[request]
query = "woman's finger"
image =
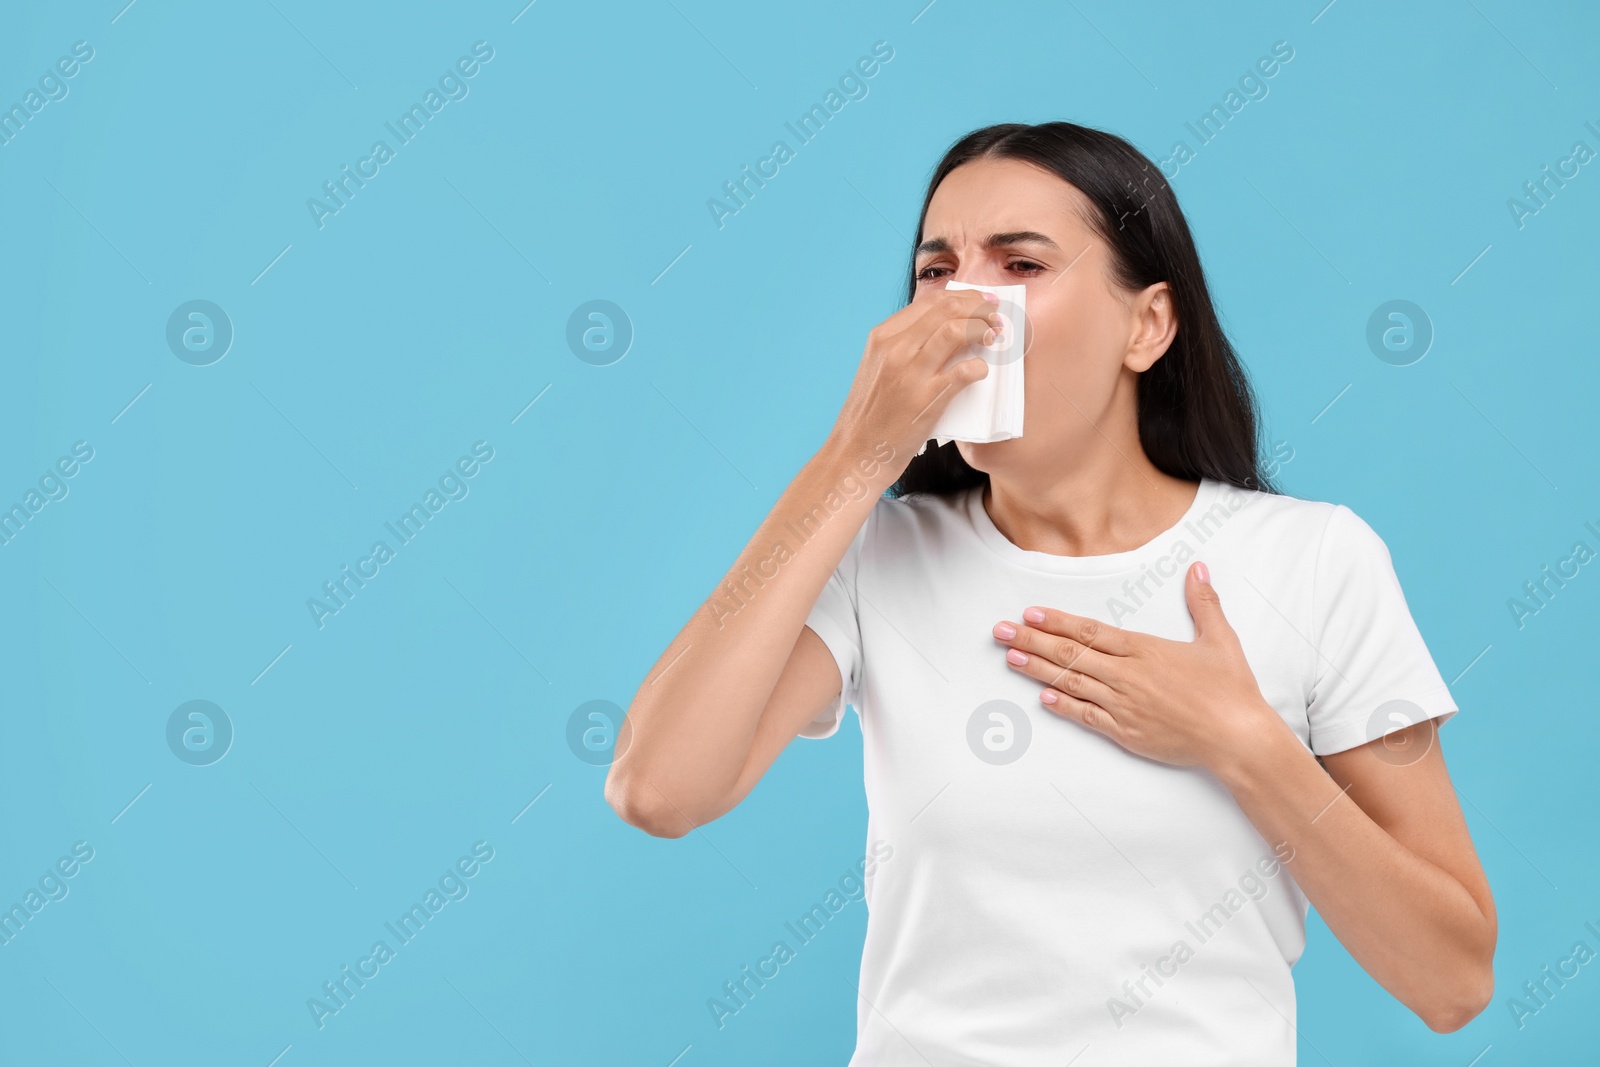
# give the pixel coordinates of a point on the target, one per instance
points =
(1063, 679)
(1083, 712)
(1112, 640)
(1063, 650)
(954, 319)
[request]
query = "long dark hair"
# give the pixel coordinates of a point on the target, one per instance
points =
(1197, 413)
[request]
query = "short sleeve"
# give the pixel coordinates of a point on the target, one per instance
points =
(836, 620)
(1372, 671)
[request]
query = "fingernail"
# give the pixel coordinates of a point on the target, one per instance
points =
(1005, 631)
(1033, 615)
(992, 298)
(1018, 657)
(1201, 573)
(1048, 696)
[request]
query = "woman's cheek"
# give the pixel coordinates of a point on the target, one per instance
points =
(1050, 320)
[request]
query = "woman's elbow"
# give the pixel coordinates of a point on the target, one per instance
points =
(1469, 1004)
(637, 807)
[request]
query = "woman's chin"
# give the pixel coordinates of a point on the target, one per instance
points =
(980, 456)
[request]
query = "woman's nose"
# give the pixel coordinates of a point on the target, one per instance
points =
(979, 274)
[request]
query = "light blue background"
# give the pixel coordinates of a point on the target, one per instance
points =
(429, 312)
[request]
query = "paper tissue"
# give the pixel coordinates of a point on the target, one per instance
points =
(989, 409)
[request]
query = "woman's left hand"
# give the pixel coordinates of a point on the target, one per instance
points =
(1186, 703)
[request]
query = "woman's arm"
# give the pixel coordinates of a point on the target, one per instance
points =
(696, 735)
(692, 724)
(1382, 851)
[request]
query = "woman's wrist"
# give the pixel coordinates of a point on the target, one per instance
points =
(1261, 743)
(877, 463)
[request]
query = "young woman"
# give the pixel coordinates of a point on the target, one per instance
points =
(1124, 707)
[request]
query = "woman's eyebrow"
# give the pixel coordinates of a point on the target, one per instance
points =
(937, 245)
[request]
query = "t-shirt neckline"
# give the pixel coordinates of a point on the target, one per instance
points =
(988, 533)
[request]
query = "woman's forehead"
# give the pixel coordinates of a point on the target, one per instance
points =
(979, 199)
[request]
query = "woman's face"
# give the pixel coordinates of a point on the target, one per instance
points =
(1008, 222)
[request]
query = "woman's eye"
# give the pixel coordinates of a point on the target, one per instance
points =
(1025, 266)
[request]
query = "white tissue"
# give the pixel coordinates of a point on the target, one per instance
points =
(989, 409)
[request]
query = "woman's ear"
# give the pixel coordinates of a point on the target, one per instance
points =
(1155, 324)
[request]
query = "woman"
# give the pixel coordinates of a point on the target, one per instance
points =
(1124, 706)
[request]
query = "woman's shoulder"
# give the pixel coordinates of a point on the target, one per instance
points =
(917, 520)
(1317, 526)
(1277, 509)
(923, 508)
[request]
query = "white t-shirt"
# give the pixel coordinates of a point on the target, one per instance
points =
(1047, 893)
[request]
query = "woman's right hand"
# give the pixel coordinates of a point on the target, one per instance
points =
(903, 385)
